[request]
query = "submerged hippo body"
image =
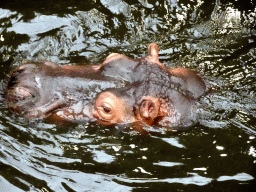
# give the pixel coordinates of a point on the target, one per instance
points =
(120, 90)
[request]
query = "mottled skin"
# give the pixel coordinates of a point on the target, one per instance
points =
(36, 90)
(155, 94)
(120, 90)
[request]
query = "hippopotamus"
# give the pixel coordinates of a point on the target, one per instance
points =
(120, 90)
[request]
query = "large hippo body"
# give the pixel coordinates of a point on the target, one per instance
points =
(120, 90)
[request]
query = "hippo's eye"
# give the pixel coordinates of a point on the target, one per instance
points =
(106, 109)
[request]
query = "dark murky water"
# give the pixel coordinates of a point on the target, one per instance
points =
(215, 38)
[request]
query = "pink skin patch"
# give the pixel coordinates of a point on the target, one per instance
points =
(23, 91)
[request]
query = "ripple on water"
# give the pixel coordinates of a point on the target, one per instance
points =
(216, 40)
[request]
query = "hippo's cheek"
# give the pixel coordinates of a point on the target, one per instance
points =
(172, 120)
(65, 114)
(96, 115)
(71, 113)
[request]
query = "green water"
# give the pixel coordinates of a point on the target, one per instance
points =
(214, 38)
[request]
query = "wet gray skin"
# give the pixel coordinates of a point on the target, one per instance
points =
(119, 67)
(177, 91)
(185, 81)
(35, 90)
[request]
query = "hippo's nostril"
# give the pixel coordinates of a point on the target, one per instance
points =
(149, 108)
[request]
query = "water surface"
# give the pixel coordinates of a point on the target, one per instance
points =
(214, 38)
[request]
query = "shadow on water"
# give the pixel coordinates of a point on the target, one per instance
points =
(214, 38)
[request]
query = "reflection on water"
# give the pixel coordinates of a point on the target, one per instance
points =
(214, 38)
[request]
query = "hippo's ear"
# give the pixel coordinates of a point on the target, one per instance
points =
(153, 51)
